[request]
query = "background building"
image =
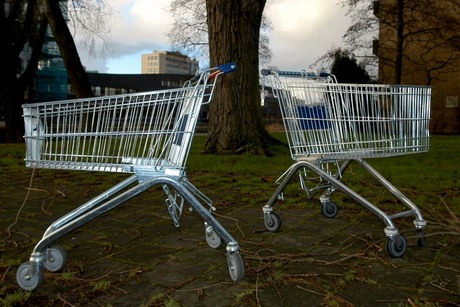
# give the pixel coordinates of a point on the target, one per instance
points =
(51, 77)
(419, 44)
(167, 62)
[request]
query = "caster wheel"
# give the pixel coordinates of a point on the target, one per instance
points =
(235, 266)
(396, 246)
(272, 221)
(25, 280)
(329, 209)
(56, 258)
(213, 239)
(420, 236)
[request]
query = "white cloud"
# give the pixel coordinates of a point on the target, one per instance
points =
(303, 31)
(138, 26)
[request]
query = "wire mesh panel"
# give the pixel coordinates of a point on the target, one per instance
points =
(346, 121)
(114, 132)
(378, 120)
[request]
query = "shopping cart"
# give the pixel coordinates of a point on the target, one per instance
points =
(329, 125)
(145, 134)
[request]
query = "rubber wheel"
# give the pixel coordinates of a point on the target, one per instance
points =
(235, 266)
(56, 258)
(26, 281)
(213, 239)
(272, 222)
(329, 209)
(396, 246)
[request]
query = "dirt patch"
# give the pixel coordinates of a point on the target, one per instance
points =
(134, 256)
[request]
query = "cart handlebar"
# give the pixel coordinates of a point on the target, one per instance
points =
(300, 74)
(222, 69)
(226, 68)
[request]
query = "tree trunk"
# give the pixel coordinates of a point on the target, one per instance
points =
(11, 101)
(399, 42)
(235, 121)
(75, 70)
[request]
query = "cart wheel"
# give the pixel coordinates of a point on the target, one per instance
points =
(25, 280)
(396, 246)
(329, 209)
(420, 235)
(272, 221)
(235, 266)
(56, 258)
(213, 239)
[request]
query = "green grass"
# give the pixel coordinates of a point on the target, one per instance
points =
(429, 177)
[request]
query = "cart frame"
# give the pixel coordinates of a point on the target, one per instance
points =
(145, 134)
(330, 125)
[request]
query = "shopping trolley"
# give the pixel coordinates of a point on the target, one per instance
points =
(146, 134)
(330, 125)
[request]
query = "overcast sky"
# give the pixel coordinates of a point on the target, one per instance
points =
(303, 30)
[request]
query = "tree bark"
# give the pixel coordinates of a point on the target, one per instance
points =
(75, 70)
(399, 42)
(235, 121)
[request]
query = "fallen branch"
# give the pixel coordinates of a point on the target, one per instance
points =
(63, 300)
(4, 275)
(344, 259)
(205, 287)
(450, 211)
(444, 289)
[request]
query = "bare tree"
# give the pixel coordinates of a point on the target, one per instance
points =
(189, 33)
(23, 26)
(75, 70)
(424, 32)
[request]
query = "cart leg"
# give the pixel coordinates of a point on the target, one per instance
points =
(419, 222)
(272, 220)
(345, 189)
(214, 231)
(396, 243)
(30, 274)
(198, 194)
(83, 209)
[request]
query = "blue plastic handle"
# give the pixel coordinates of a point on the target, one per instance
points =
(228, 67)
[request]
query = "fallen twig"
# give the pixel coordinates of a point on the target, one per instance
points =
(344, 259)
(4, 275)
(8, 229)
(205, 287)
(444, 289)
(45, 211)
(63, 300)
(450, 211)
